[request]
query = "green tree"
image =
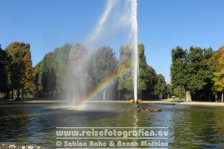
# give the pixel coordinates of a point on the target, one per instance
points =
(150, 92)
(217, 65)
(4, 66)
(51, 72)
(169, 91)
(178, 70)
(179, 92)
(160, 88)
(28, 78)
(46, 75)
(125, 82)
(21, 66)
(146, 78)
(219, 82)
(190, 69)
(102, 64)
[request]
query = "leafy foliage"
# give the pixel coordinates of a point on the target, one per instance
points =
(4, 67)
(21, 72)
(179, 92)
(59, 70)
(125, 81)
(161, 86)
(217, 65)
(190, 69)
(51, 71)
(147, 79)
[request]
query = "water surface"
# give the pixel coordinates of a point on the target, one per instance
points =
(190, 126)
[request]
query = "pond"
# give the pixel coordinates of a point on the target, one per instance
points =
(189, 126)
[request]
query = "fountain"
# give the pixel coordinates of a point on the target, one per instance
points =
(134, 32)
(123, 14)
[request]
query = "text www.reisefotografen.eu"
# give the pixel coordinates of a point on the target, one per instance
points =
(112, 137)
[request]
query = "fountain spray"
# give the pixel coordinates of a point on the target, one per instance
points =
(118, 16)
(134, 32)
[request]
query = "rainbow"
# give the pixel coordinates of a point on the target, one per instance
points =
(105, 82)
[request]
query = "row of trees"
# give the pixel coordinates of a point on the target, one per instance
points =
(196, 73)
(66, 63)
(199, 72)
(59, 70)
(16, 72)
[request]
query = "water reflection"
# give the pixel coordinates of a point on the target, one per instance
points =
(191, 126)
(12, 127)
(135, 117)
(196, 127)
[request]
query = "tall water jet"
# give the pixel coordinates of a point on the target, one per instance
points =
(118, 22)
(134, 35)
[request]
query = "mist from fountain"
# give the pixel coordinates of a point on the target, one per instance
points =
(118, 16)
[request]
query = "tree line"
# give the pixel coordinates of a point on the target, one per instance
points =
(199, 73)
(196, 74)
(48, 78)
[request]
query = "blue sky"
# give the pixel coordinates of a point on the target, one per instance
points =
(163, 24)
